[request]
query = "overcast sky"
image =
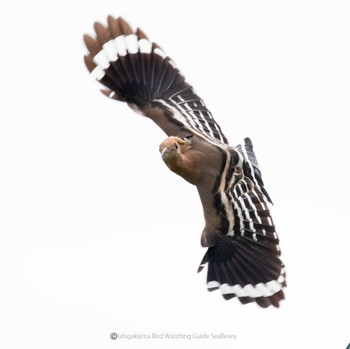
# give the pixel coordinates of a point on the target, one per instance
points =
(98, 236)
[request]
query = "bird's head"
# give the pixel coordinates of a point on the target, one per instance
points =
(186, 155)
(173, 149)
(181, 158)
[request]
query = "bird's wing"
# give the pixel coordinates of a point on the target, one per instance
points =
(245, 261)
(251, 167)
(137, 71)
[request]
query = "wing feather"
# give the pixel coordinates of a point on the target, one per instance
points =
(138, 72)
(247, 254)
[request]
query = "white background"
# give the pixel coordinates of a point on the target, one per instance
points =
(97, 236)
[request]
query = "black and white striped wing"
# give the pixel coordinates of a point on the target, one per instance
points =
(245, 262)
(137, 71)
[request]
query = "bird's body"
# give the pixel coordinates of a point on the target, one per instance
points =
(243, 251)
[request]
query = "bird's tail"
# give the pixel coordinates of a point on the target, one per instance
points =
(242, 268)
(133, 68)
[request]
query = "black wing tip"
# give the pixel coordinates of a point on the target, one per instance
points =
(135, 68)
(252, 159)
(248, 141)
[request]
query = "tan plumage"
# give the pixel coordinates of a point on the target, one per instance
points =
(190, 158)
(184, 157)
(243, 252)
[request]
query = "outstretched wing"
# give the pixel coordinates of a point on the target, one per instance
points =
(137, 71)
(245, 262)
(251, 167)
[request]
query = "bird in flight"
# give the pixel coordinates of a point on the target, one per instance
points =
(243, 253)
